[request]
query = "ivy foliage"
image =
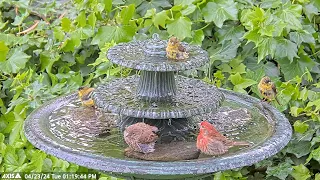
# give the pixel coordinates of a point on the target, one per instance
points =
(49, 49)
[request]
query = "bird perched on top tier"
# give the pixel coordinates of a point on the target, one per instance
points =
(211, 142)
(141, 137)
(267, 89)
(175, 50)
(85, 94)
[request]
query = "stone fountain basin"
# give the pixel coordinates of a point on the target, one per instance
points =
(85, 150)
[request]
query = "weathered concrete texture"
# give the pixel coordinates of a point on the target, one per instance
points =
(174, 151)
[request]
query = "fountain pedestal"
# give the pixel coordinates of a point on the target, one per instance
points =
(156, 86)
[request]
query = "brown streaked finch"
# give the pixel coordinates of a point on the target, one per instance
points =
(141, 137)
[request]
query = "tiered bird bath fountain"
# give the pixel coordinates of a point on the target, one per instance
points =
(92, 137)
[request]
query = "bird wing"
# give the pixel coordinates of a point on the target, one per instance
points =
(87, 94)
(216, 147)
(146, 148)
(181, 48)
(274, 88)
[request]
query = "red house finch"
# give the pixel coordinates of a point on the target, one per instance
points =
(85, 96)
(267, 89)
(175, 50)
(211, 142)
(141, 137)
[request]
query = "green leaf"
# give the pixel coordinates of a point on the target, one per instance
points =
(190, 9)
(300, 172)
(220, 11)
(240, 82)
(310, 10)
(296, 67)
(253, 36)
(280, 171)
(116, 33)
(285, 48)
(300, 127)
(299, 148)
(92, 20)
(180, 27)
(127, 13)
(317, 176)
(315, 103)
(177, 8)
(266, 4)
(58, 33)
(315, 154)
(316, 3)
(3, 51)
(9, 39)
(301, 36)
(267, 46)
(81, 19)
(11, 159)
(37, 161)
(159, 5)
(107, 5)
(15, 62)
(198, 37)
(183, 2)
(47, 60)
(225, 52)
(295, 111)
(160, 19)
(19, 19)
(252, 18)
(66, 24)
(230, 32)
(17, 129)
(291, 14)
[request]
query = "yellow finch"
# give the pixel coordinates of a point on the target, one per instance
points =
(85, 96)
(267, 89)
(175, 50)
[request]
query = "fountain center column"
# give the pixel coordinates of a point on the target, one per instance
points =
(156, 86)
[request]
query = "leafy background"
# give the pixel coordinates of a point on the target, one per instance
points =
(47, 50)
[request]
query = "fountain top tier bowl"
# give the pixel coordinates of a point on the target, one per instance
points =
(150, 55)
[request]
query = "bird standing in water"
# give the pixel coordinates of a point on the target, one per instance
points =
(267, 89)
(141, 137)
(85, 94)
(211, 142)
(175, 50)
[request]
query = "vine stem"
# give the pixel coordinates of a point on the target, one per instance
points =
(36, 22)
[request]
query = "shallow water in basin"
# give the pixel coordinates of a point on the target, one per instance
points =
(86, 129)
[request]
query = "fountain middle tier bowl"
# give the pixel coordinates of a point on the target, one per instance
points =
(193, 97)
(90, 138)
